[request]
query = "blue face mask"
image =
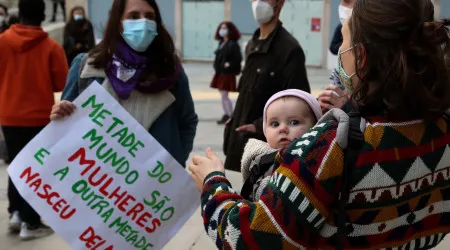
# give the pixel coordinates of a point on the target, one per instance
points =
(346, 79)
(78, 17)
(139, 34)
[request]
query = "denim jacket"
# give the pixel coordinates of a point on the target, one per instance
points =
(174, 129)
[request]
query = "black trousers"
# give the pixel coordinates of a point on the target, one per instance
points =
(3, 151)
(16, 139)
(55, 9)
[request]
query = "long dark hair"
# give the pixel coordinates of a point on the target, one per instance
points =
(233, 32)
(71, 20)
(161, 52)
(402, 59)
(74, 27)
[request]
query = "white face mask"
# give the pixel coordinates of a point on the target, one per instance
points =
(262, 11)
(2, 18)
(223, 32)
(344, 13)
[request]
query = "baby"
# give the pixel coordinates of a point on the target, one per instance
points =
(287, 115)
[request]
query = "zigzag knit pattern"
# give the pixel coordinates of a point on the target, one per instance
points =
(399, 197)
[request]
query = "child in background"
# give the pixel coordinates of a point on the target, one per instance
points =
(287, 115)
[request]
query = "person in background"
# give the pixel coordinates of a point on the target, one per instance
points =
(227, 65)
(32, 67)
(5, 22)
(13, 19)
(345, 10)
(398, 188)
(274, 62)
(3, 17)
(78, 34)
(3, 150)
(62, 3)
(136, 62)
(3, 27)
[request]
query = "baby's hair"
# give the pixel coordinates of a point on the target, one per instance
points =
(311, 112)
(306, 97)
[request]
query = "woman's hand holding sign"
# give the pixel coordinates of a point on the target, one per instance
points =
(62, 109)
(201, 167)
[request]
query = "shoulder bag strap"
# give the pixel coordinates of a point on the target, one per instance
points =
(355, 141)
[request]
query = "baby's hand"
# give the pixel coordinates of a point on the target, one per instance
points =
(332, 97)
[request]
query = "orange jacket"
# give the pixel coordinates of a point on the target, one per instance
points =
(32, 68)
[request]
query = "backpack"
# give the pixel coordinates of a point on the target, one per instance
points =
(257, 172)
(355, 141)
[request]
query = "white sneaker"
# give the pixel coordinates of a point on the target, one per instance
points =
(27, 233)
(15, 222)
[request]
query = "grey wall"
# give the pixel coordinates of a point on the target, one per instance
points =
(334, 18)
(99, 12)
(167, 8)
(334, 15)
(445, 9)
(55, 31)
(242, 16)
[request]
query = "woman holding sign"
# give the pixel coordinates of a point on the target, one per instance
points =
(137, 64)
(378, 178)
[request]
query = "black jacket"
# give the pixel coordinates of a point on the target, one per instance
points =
(81, 33)
(228, 52)
(337, 40)
(274, 64)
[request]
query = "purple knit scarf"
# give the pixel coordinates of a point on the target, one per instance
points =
(125, 71)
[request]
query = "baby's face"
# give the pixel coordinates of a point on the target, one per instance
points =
(288, 118)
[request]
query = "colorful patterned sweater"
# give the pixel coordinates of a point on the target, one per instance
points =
(399, 196)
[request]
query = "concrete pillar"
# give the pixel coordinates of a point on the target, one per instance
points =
(72, 3)
(333, 21)
(227, 10)
(327, 59)
(179, 25)
(437, 9)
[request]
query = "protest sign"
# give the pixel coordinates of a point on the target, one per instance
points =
(101, 181)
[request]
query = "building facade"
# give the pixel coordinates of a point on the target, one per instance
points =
(304, 19)
(193, 23)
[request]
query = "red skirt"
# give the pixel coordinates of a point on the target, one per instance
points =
(225, 82)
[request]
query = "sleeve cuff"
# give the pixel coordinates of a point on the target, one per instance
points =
(259, 126)
(213, 174)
